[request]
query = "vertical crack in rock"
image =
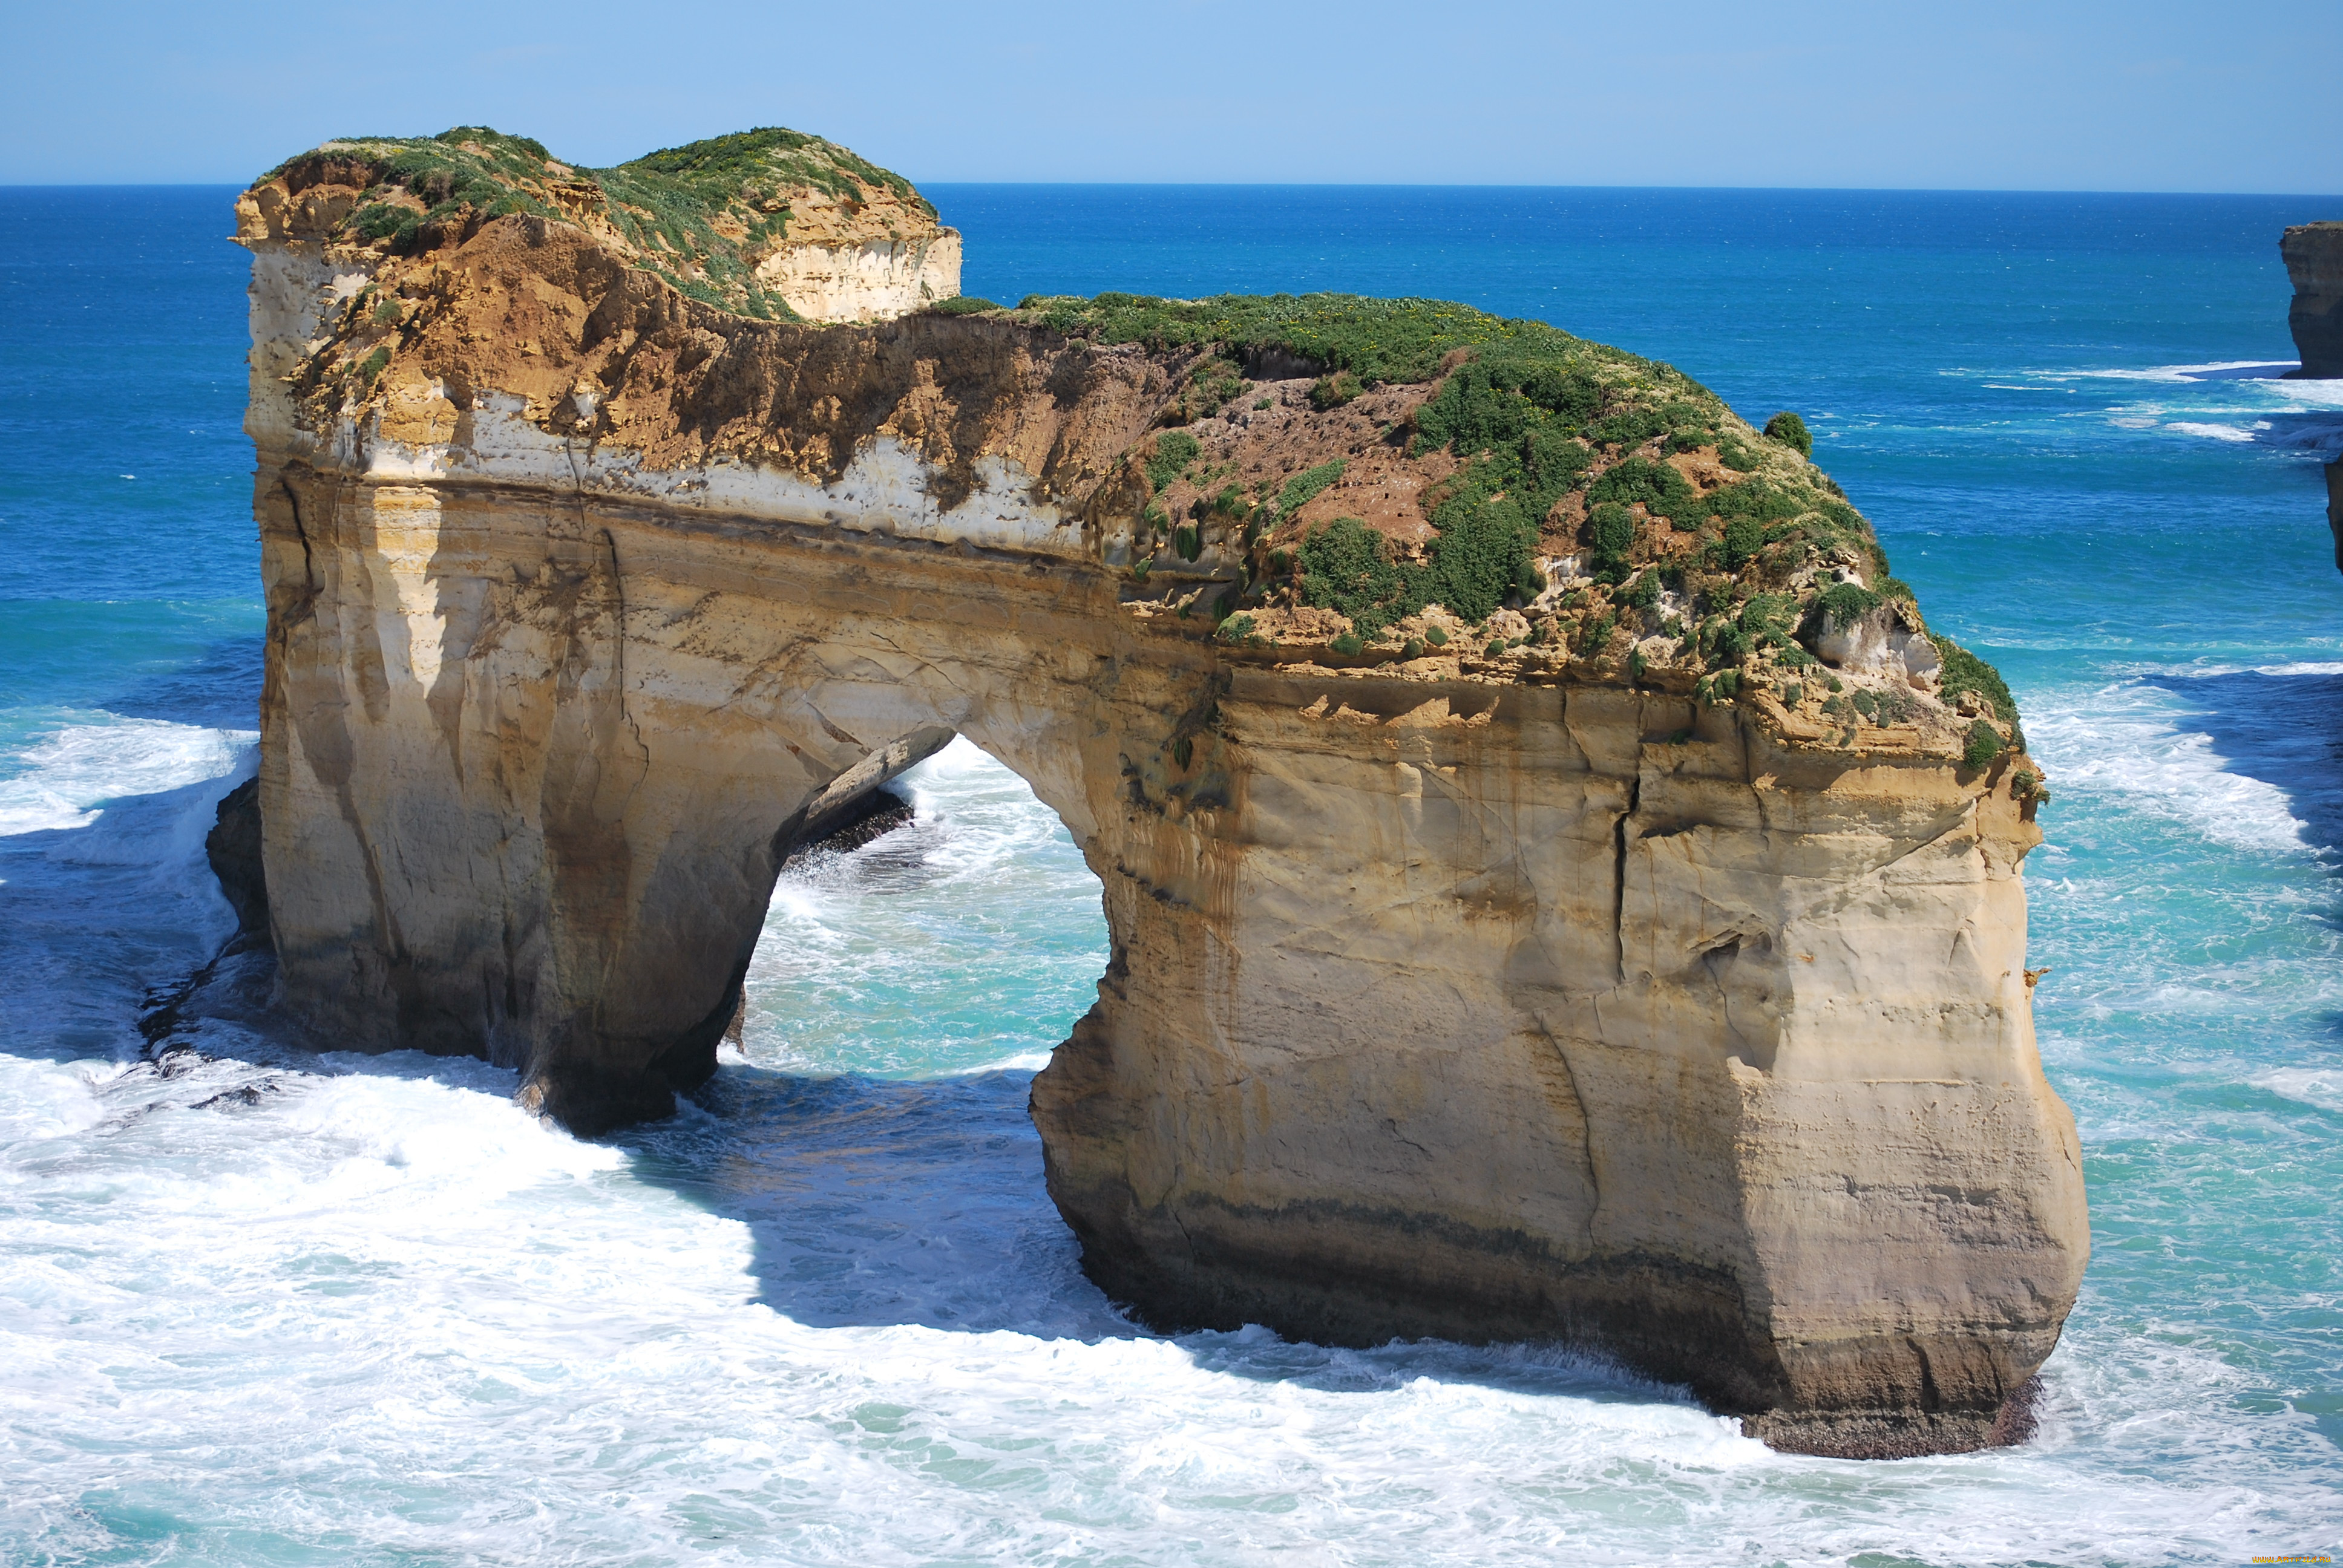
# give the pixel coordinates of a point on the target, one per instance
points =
(1623, 832)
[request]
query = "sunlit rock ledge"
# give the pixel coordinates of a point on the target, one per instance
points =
(1557, 886)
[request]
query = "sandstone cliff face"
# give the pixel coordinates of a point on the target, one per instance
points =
(1530, 982)
(2314, 263)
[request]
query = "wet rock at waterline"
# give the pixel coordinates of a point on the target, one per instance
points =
(1525, 921)
(232, 848)
(871, 817)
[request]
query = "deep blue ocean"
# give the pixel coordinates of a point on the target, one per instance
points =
(298, 1307)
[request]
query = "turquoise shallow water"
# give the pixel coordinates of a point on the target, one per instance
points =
(302, 1308)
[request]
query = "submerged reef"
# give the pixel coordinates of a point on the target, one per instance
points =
(1558, 885)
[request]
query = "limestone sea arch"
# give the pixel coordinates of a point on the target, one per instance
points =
(1557, 887)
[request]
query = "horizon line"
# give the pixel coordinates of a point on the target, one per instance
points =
(1365, 184)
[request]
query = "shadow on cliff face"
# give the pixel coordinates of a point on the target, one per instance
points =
(2284, 729)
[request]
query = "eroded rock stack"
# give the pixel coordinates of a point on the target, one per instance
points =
(1557, 885)
(2314, 264)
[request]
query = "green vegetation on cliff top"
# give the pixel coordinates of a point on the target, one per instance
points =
(1531, 413)
(697, 215)
(1535, 415)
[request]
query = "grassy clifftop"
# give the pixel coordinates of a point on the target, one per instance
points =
(1523, 444)
(1382, 479)
(701, 216)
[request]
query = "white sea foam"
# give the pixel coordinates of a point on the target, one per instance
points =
(65, 777)
(2216, 432)
(319, 1309)
(383, 1306)
(2218, 370)
(1023, 1061)
(2319, 1086)
(2132, 740)
(2236, 402)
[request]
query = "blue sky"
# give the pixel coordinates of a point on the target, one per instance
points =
(2144, 97)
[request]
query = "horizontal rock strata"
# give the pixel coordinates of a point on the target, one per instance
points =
(1517, 931)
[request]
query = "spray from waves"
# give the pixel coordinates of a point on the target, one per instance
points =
(2320, 433)
(63, 779)
(2182, 374)
(2132, 740)
(2236, 402)
(2315, 1086)
(2219, 432)
(376, 1306)
(103, 870)
(991, 818)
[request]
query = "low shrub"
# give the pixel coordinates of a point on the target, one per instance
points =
(1345, 567)
(1791, 431)
(1333, 391)
(1628, 427)
(1963, 672)
(1188, 539)
(1210, 386)
(961, 305)
(1174, 450)
(693, 216)
(1302, 488)
(1436, 636)
(1743, 538)
(1663, 492)
(1888, 707)
(1350, 644)
(1610, 535)
(1238, 629)
(1485, 549)
(1982, 745)
(1843, 604)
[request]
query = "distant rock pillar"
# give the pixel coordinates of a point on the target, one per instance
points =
(2335, 510)
(2314, 261)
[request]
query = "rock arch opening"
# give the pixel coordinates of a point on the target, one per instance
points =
(967, 939)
